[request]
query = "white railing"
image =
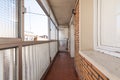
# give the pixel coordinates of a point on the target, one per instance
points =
(7, 64)
(53, 49)
(25, 60)
(36, 59)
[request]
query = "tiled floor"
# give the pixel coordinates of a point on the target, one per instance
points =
(62, 69)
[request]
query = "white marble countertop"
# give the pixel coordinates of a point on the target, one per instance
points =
(107, 64)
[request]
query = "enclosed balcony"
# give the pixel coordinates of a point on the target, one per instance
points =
(59, 39)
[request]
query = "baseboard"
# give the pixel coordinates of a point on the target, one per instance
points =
(48, 69)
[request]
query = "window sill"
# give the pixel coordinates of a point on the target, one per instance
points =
(107, 64)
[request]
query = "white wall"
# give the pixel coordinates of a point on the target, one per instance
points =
(72, 43)
(63, 38)
(63, 33)
(86, 24)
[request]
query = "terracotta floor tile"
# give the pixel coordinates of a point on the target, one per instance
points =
(62, 68)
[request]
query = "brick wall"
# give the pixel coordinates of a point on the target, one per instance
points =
(77, 29)
(84, 69)
(76, 21)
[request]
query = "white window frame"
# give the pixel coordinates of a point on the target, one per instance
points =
(111, 50)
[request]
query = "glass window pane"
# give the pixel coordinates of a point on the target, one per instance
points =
(8, 18)
(53, 31)
(36, 21)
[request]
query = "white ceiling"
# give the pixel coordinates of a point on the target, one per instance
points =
(62, 10)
